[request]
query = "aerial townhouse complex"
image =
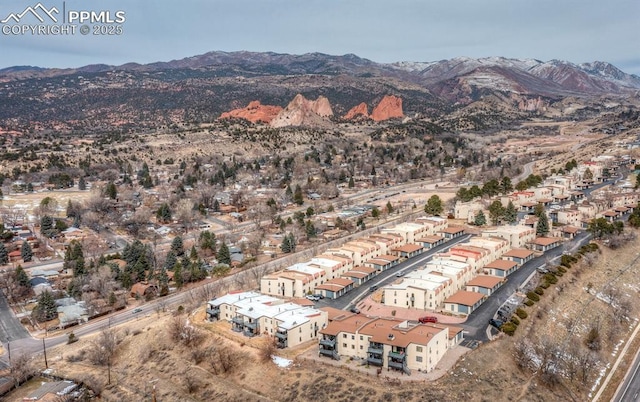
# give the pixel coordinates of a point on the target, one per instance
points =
(253, 314)
(340, 269)
(388, 343)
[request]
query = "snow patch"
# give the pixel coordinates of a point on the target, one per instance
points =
(281, 361)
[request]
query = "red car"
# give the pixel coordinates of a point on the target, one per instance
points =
(424, 320)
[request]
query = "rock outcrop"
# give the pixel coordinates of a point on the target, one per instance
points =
(389, 107)
(255, 112)
(357, 112)
(532, 105)
(304, 112)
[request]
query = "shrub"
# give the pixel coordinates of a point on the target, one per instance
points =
(539, 291)
(562, 269)
(550, 278)
(508, 328)
(545, 285)
(533, 296)
(515, 320)
(72, 338)
(521, 313)
(528, 303)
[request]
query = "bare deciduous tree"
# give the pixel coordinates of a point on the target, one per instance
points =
(22, 368)
(104, 348)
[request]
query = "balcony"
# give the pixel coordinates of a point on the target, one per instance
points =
(330, 343)
(281, 343)
(282, 335)
(251, 325)
(238, 321)
(375, 350)
(396, 365)
(215, 311)
(397, 356)
(331, 353)
(374, 361)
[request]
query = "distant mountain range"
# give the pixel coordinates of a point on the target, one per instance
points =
(444, 77)
(201, 88)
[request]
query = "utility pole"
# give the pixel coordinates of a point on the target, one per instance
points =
(44, 347)
(9, 350)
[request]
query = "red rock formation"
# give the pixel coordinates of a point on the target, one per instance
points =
(359, 111)
(303, 112)
(255, 112)
(389, 107)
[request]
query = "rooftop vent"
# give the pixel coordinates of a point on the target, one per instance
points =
(390, 337)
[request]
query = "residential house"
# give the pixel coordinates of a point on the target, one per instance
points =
(464, 302)
(484, 284)
(518, 255)
(500, 268)
(544, 244)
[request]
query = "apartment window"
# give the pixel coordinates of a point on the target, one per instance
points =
(361, 347)
(353, 337)
(344, 336)
(419, 349)
(344, 345)
(419, 359)
(353, 346)
(361, 337)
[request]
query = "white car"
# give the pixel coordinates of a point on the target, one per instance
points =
(313, 298)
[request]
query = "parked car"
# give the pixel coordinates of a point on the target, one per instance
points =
(428, 318)
(313, 298)
(319, 295)
(354, 310)
(495, 323)
(399, 274)
(136, 310)
(373, 288)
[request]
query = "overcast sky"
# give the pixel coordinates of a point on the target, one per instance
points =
(383, 31)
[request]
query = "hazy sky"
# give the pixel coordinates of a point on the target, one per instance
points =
(383, 31)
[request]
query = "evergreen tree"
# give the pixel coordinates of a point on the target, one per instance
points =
(111, 191)
(164, 213)
(141, 267)
(170, 261)
(177, 247)
(510, 213)
(310, 229)
(434, 205)
(4, 254)
(46, 226)
(224, 256)
(25, 252)
(285, 246)
(480, 219)
(389, 207)
(351, 182)
(288, 193)
(177, 275)
(292, 242)
(193, 255)
(21, 277)
(207, 241)
(82, 185)
(375, 213)
(542, 228)
(505, 185)
(496, 212)
(79, 268)
(297, 195)
(373, 171)
(216, 205)
(46, 308)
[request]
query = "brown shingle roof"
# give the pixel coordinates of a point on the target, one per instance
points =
(465, 298)
(545, 241)
(518, 253)
(408, 248)
(452, 230)
(430, 239)
(504, 265)
(485, 281)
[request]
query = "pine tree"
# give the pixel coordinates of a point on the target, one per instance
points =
(285, 246)
(480, 219)
(46, 226)
(111, 191)
(224, 256)
(207, 241)
(216, 205)
(433, 205)
(510, 213)
(389, 207)
(46, 308)
(21, 277)
(164, 213)
(82, 185)
(543, 225)
(351, 182)
(4, 255)
(177, 275)
(193, 255)
(25, 252)
(177, 246)
(496, 212)
(297, 195)
(310, 229)
(170, 261)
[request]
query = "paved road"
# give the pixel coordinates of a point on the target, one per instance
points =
(10, 327)
(353, 297)
(478, 320)
(630, 387)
